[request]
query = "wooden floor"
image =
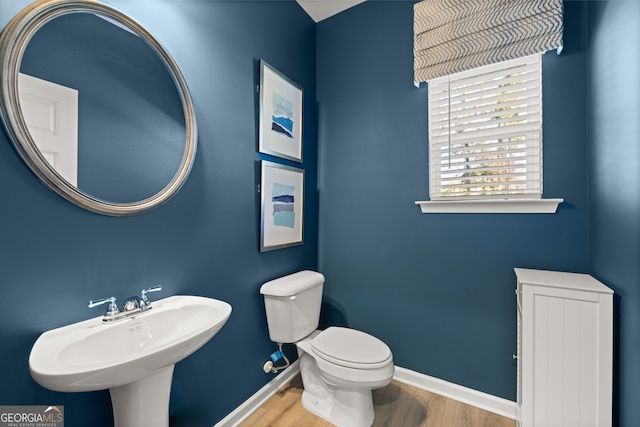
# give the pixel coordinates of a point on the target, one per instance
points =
(396, 405)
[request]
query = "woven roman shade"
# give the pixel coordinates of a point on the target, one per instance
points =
(451, 36)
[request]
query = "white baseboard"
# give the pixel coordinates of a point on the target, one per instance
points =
(249, 406)
(481, 400)
(487, 402)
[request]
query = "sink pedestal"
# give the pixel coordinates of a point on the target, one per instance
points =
(143, 403)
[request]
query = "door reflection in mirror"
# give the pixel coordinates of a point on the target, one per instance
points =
(51, 114)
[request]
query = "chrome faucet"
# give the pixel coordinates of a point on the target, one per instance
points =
(134, 303)
(131, 306)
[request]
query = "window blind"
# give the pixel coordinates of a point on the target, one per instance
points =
(452, 36)
(485, 132)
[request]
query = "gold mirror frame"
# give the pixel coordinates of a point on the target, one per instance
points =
(13, 43)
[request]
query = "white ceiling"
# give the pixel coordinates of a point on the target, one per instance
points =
(322, 9)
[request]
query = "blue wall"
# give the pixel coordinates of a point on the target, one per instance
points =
(614, 183)
(56, 256)
(438, 288)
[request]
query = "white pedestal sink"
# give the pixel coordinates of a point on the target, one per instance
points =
(132, 357)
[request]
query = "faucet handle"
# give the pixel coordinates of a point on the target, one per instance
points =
(112, 309)
(144, 292)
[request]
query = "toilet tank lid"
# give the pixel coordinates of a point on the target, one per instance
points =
(292, 284)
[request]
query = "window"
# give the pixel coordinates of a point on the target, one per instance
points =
(485, 132)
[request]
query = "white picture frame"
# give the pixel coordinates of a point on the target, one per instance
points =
(280, 132)
(282, 206)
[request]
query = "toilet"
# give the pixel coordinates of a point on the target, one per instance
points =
(339, 366)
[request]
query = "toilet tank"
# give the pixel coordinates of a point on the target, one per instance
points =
(292, 304)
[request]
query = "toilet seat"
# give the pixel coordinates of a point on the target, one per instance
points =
(351, 348)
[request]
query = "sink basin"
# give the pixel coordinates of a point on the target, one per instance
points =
(129, 354)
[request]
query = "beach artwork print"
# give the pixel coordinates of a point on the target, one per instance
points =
(283, 201)
(282, 116)
(282, 204)
(280, 132)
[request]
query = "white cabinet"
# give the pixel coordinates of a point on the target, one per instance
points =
(565, 346)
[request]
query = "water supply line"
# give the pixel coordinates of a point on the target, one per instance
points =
(269, 365)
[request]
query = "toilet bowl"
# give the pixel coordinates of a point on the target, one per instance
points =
(338, 374)
(339, 366)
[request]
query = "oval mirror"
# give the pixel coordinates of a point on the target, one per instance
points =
(96, 106)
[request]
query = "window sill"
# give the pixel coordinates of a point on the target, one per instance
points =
(491, 206)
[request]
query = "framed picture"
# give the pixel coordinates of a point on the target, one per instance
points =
(282, 206)
(280, 131)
